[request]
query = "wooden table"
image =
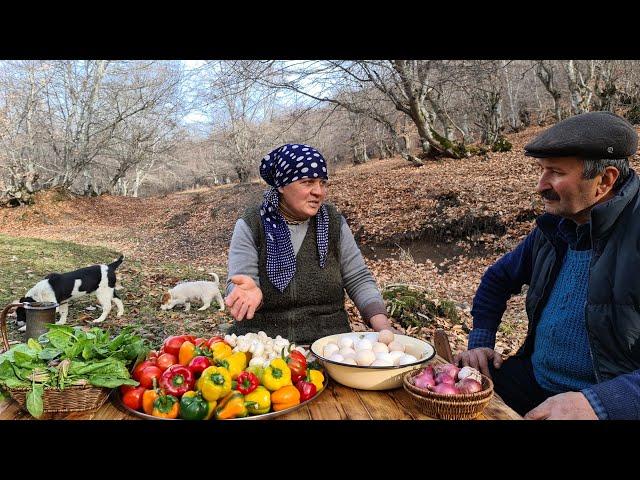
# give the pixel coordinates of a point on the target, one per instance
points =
(336, 402)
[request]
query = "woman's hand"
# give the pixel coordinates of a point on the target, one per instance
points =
(245, 298)
(381, 322)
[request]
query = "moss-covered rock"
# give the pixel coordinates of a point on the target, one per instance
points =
(501, 145)
(412, 306)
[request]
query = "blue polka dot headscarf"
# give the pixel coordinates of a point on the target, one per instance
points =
(285, 165)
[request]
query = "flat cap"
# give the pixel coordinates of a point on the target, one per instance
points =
(593, 135)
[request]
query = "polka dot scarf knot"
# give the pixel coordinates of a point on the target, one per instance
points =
(284, 165)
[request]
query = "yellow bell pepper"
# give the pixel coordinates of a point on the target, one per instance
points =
(235, 363)
(317, 378)
(285, 397)
(215, 383)
(220, 351)
(258, 401)
(276, 375)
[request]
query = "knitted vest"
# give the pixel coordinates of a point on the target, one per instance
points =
(312, 305)
(561, 357)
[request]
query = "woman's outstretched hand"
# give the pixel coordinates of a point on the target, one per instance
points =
(245, 298)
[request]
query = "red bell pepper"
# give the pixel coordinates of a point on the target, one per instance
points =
(176, 380)
(247, 382)
(297, 362)
(306, 388)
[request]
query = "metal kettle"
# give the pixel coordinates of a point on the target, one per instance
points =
(38, 315)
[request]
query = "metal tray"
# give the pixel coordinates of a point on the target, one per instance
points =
(264, 416)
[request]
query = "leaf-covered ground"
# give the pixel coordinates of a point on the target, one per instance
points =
(437, 227)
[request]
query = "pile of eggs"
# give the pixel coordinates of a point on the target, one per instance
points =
(376, 349)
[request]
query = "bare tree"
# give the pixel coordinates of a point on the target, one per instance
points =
(580, 76)
(547, 74)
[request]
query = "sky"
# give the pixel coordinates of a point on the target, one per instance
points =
(194, 117)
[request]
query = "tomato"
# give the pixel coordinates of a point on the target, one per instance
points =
(173, 343)
(152, 354)
(166, 360)
(125, 388)
(148, 374)
(199, 341)
(141, 366)
(133, 398)
(215, 339)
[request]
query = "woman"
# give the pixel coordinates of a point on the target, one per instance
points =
(292, 258)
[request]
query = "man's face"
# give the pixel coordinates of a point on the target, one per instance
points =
(564, 191)
(304, 197)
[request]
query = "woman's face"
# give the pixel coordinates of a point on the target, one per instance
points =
(304, 197)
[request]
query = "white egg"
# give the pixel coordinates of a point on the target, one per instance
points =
(395, 345)
(379, 347)
(363, 345)
(372, 337)
(345, 342)
(330, 349)
(350, 361)
(405, 359)
(347, 352)
(381, 363)
(336, 357)
(385, 357)
(395, 356)
(385, 336)
(365, 357)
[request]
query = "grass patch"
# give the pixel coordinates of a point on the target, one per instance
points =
(25, 261)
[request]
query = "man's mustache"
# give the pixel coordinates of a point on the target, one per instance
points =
(549, 194)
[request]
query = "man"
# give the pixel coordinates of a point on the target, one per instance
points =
(581, 356)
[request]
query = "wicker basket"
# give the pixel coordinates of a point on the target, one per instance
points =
(449, 407)
(75, 398)
(69, 399)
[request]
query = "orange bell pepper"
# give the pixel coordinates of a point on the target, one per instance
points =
(149, 397)
(186, 353)
(285, 397)
(166, 406)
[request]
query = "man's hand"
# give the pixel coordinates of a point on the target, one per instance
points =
(245, 297)
(565, 406)
(478, 358)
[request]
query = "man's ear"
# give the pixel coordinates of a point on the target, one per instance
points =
(608, 180)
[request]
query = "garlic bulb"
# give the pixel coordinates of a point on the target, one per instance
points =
(470, 372)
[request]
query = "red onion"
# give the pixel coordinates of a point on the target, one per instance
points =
(445, 388)
(469, 385)
(425, 378)
(444, 378)
(449, 369)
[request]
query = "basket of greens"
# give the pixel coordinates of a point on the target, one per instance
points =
(69, 369)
